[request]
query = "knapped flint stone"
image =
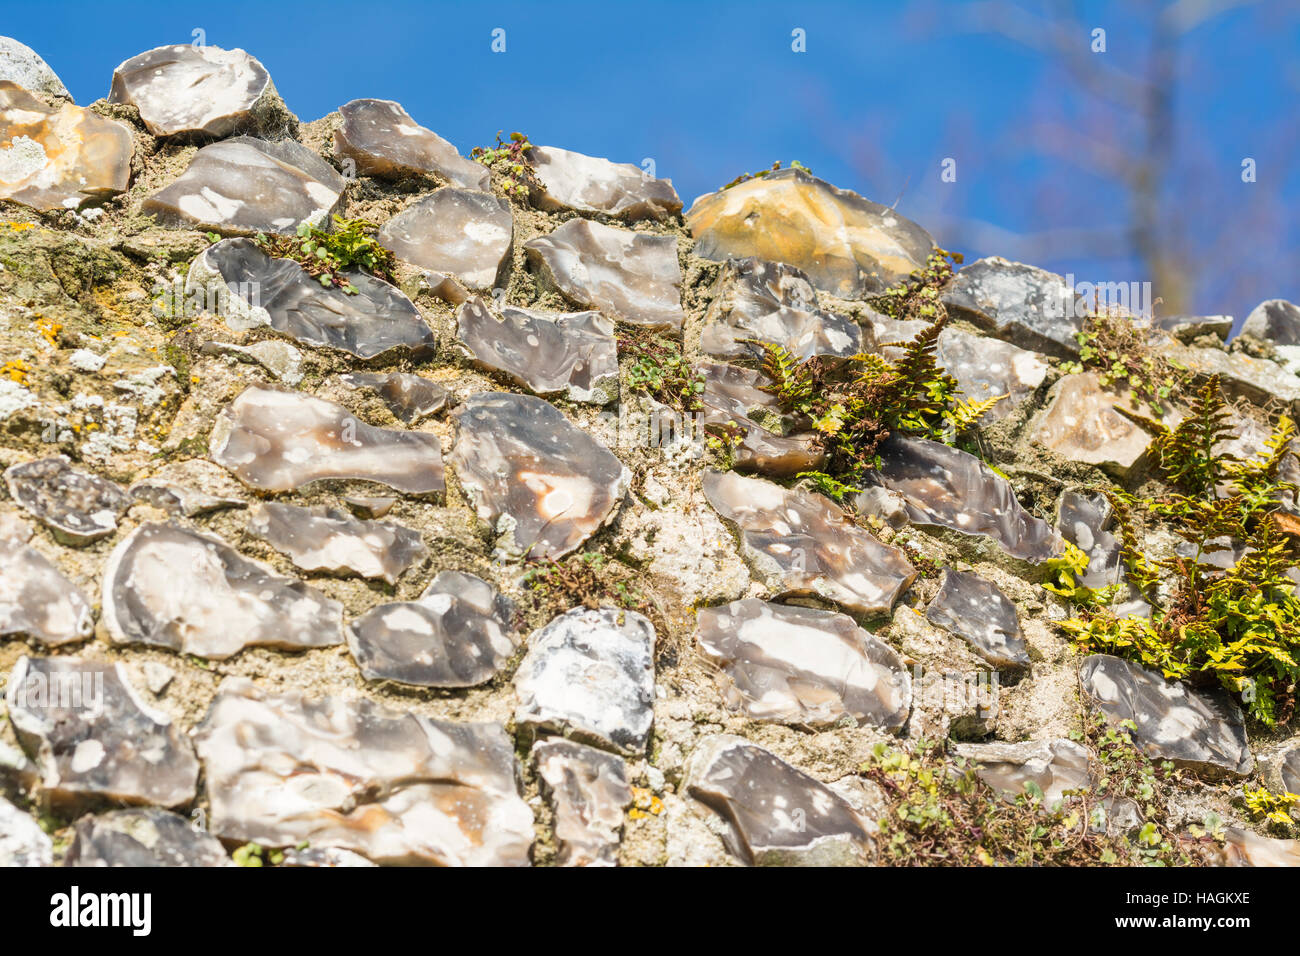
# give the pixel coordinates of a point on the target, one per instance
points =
(324, 857)
(243, 186)
(1185, 328)
(37, 601)
(589, 184)
(395, 787)
(980, 614)
(281, 359)
(1243, 847)
(757, 301)
(78, 507)
(1082, 424)
(409, 397)
(544, 484)
(1025, 305)
(1289, 770)
(800, 544)
(202, 90)
(92, 736)
(279, 441)
(803, 666)
(1084, 518)
(1276, 321)
(731, 395)
(847, 245)
(384, 141)
(328, 539)
(630, 276)
(143, 837)
(589, 674)
(573, 354)
(252, 290)
(588, 791)
(463, 233)
(180, 500)
(369, 506)
(1054, 766)
(1201, 730)
(21, 65)
(775, 815)
(169, 586)
(22, 841)
(458, 633)
(935, 484)
(59, 158)
(1242, 376)
(983, 367)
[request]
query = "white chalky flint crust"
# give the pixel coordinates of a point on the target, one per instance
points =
(336, 772)
(332, 540)
(759, 301)
(458, 633)
(590, 675)
(799, 543)
(277, 440)
(461, 232)
(1204, 731)
(21, 64)
(112, 745)
(630, 276)
(1054, 766)
(803, 666)
(544, 484)
(573, 354)
(589, 184)
(976, 611)
(383, 140)
(194, 89)
(22, 841)
(172, 587)
(37, 600)
(776, 815)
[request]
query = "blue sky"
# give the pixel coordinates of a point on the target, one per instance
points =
(883, 94)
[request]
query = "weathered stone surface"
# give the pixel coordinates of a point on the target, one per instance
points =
(799, 544)
(21, 65)
(848, 246)
(984, 367)
(573, 354)
(91, 736)
(243, 186)
(324, 857)
(630, 276)
(1025, 305)
(331, 540)
(395, 787)
(1202, 730)
(180, 500)
(460, 232)
(1276, 321)
(588, 791)
(458, 633)
(1244, 848)
(36, 600)
(278, 441)
(143, 837)
(589, 184)
(1241, 375)
(369, 506)
(77, 506)
(281, 359)
(1289, 770)
(1185, 328)
(59, 158)
(409, 397)
(776, 815)
(1084, 518)
(541, 482)
(589, 674)
(193, 89)
(803, 666)
(758, 301)
(168, 586)
(732, 399)
(1053, 766)
(1082, 424)
(22, 841)
(252, 289)
(935, 484)
(980, 614)
(383, 140)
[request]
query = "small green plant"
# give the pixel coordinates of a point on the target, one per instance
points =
(509, 158)
(255, 855)
(746, 177)
(1124, 358)
(658, 368)
(326, 255)
(919, 296)
(588, 578)
(1264, 804)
